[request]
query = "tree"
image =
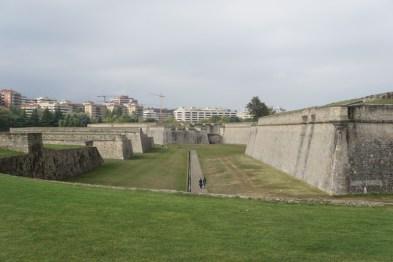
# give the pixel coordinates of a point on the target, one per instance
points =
(46, 118)
(75, 120)
(57, 116)
(34, 118)
(257, 108)
(4, 119)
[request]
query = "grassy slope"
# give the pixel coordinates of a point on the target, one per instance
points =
(43, 221)
(229, 171)
(162, 168)
(6, 153)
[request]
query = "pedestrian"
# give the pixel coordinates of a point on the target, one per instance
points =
(204, 182)
(200, 183)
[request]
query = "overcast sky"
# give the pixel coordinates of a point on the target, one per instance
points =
(201, 52)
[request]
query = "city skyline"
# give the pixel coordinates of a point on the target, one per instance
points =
(219, 52)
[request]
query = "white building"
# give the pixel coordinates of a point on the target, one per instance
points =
(194, 114)
(29, 108)
(150, 113)
(65, 107)
(244, 115)
(278, 109)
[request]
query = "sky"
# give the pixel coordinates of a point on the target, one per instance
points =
(292, 54)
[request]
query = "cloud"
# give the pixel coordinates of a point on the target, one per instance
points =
(217, 53)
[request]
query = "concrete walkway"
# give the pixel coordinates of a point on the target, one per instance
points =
(196, 173)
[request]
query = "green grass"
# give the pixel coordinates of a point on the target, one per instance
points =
(7, 153)
(44, 221)
(226, 167)
(60, 147)
(230, 171)
(161, 168)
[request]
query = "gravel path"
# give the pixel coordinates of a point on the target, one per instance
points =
(196, 173)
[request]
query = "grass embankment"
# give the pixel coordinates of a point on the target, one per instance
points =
(161, 168)
(7, 153)
(45, 221)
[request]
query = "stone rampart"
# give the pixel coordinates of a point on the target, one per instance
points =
(21, 142)
(337, 149)
(52, 164)
(155, 134)
(119, 148)
(186, 137)
(140, 142)
(236, 133)
(160, 135)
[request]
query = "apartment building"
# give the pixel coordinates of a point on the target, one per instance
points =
(10, 98)
(244, 115)
(94, 111)
(133, 108)
(195, 114)
(157, 114)
(121, 100)
(29, 107)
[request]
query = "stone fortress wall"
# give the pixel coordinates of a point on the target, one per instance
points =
(46, 163)
(339, 149)
(119, 143)
(236, 133)
(21, 142)
(153, 131)
(161, 135)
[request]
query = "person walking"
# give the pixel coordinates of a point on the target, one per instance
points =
(200, 183)
(204, 182)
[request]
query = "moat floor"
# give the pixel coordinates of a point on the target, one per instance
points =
(226, 168)
(46, 221)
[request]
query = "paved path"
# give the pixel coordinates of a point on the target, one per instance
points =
(196, 173)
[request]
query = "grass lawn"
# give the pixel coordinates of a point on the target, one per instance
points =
(44, 221)
(162, 168)
(6, 152)
(226, 168)
(230, 171)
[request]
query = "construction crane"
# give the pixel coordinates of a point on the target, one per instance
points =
(104, 97)
(161, 96)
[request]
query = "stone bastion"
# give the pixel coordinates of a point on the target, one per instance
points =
(37, 162)
(119, 143)
(339, 149)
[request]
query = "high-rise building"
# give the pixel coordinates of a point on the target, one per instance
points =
(94, 111)
(134, 108)
(10, 98)
(65, 107)
(194, 114)
(157, 114)
(29, 108)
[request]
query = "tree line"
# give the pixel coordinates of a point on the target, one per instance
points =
(45, 118)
